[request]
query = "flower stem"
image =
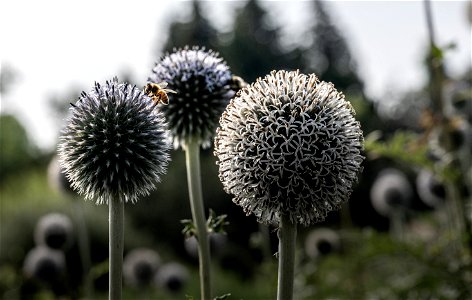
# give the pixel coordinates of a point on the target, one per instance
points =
(116, 211)
(84, 247)
(287, 239)
(192, 159)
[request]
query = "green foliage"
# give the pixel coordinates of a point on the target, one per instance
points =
(402, 146)
(216, 223)
(16, 150)
(375, 266)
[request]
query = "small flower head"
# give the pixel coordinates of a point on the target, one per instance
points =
(172, 276)
(140, 266)
(430, 190)
(115, 143)
(202, 82)
(390, 191)
(322, 241)
(54, 230)
(44, 264)
(58, 180)
(289, 144)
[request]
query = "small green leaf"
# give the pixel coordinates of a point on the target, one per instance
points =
(216, 223)
(222, 297)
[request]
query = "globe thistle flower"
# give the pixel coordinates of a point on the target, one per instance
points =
(322, 241)
(44, 264)
(54, 230)
(203, 85)
(140, 266)
(430, 190)
(390, 191)
(289, 144)
(114, 144)
(172, 276)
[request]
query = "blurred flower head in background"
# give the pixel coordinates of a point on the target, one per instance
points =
(140, 266)
(289, 144)
(54, 230)
(322, 241)
(391, 191)
(115, 144)
(172, 276)
(44, 264)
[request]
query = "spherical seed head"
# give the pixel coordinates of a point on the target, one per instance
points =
(430, 190)
(172, 276)
(115, 144)
(390, 191)
(54, 230)
(140, 266)
(44, 264)
(202, 82)
(322, 241)
(289, 144)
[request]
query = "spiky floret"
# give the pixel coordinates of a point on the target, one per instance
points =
(202, 82)
(114, 144)
(289, 144)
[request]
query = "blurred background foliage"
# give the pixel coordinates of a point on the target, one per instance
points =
(429, 259)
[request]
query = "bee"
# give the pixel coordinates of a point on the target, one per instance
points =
(158, 92)
(236, 83)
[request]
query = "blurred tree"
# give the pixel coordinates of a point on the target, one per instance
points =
(254, 48)
(196, 32)
(329, 55)
(16, 150)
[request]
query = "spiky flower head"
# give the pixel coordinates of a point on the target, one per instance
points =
(54, 230)
(114, 144)
(203, 85)
(289, 144)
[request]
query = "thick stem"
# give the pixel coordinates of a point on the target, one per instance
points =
(192, 156)
(116, 238)
(287, 239)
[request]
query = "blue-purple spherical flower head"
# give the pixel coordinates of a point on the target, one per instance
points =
(115, 144)
(202, 82)
(289, 144)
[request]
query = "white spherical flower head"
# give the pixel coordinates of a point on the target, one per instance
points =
(390, 192)
(202, 82)
(289, 144)
(115, 144)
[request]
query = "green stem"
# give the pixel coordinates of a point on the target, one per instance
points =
(84, 247)
(116, 238)
(287, 239)
(192, 159)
